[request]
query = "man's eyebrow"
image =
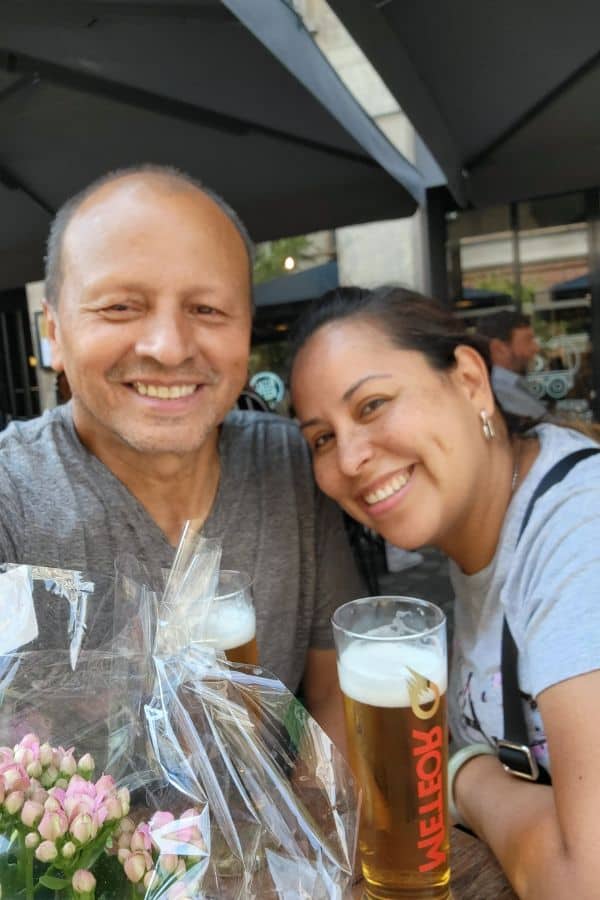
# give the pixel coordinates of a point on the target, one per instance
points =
(354, 387)
(346, 396)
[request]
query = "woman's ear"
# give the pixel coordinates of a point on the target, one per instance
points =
(471, 376)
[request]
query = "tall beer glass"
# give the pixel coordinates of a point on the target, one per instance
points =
(231, 621)
(391, 656)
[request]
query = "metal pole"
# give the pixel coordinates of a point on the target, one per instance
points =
(592, 202)
(7, 366)
(516, 253)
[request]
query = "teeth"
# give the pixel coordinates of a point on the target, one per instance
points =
(164, 392)
(382, 493)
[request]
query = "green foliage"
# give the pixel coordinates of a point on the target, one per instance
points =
(502, 285)
(271, 255)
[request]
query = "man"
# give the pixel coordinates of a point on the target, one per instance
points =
(149, 314)
(513, 346)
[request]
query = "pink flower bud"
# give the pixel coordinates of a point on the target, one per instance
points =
(168, 862)
(32, 840)
(83, 881)
(124, 799)
(82, 828)
(34, 769)
(135, 867)
(46, 851)
(123, 853)
(124, 841)
(49, 776)
(86, 764)
(69, 850)
(53, 825)
(23, 756)
(113, 809)
(126, 826)
(159, 819)
(68, 766)
(31, 813)
(15, 778)
(30, 740)
(13, 802)
(52, 804)
(45, 754)
(105, 786)
(150, 878)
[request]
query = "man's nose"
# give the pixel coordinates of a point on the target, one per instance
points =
(166, 337)
(353, 452)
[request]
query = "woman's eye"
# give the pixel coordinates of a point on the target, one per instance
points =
(371, 405)
(320, 441)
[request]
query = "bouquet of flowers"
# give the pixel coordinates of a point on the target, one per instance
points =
(61, 825)
(178, 774)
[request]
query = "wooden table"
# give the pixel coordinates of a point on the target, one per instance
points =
(475, 873)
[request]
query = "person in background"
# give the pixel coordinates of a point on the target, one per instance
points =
(513, 346)
(148, 287)
(397, 407)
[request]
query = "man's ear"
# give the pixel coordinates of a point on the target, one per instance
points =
(471, 376)
(500, 353)
(53, 332)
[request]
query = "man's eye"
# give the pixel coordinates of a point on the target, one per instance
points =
(202, 310)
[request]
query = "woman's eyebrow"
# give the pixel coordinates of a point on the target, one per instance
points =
(354, 387)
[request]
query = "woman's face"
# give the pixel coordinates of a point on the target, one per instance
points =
(395, 442)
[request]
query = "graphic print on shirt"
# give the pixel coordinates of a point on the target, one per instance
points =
(480, 707)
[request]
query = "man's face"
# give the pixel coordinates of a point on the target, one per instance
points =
(523, 346)
(153, 322)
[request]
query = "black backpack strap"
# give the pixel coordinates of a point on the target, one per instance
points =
(514, 751)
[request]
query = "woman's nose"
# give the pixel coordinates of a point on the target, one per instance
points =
(353, 453)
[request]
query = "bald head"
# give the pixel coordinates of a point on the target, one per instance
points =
(163, 180)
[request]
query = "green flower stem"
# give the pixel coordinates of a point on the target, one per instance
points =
(28, 861)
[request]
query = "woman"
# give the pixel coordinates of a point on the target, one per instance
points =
(407, 437)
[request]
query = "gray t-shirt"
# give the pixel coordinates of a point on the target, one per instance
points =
(60, 506)
(546, 585)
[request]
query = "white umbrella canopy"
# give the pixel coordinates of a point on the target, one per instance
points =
(87, 87)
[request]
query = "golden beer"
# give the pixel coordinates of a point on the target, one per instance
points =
(395, 708)
(247, 653)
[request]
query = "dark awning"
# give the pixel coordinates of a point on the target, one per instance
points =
(305, 285)
(505, 95)
(88, 86)
(574, 287)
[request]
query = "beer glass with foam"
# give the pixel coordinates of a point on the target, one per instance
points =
(392, 667)
(231, 621)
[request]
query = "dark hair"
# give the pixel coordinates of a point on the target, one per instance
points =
(169, 175)
(410, 320)
(501, 324)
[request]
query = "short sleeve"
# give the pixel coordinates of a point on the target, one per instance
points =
(338, 580)
(558, 624)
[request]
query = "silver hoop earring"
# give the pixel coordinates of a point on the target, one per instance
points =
(487, 426)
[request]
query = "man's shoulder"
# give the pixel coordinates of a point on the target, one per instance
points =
(270, 430)
(32, 431)
(35, 439)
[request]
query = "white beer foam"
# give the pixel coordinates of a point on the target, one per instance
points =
(375, 672)
(230, 624)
